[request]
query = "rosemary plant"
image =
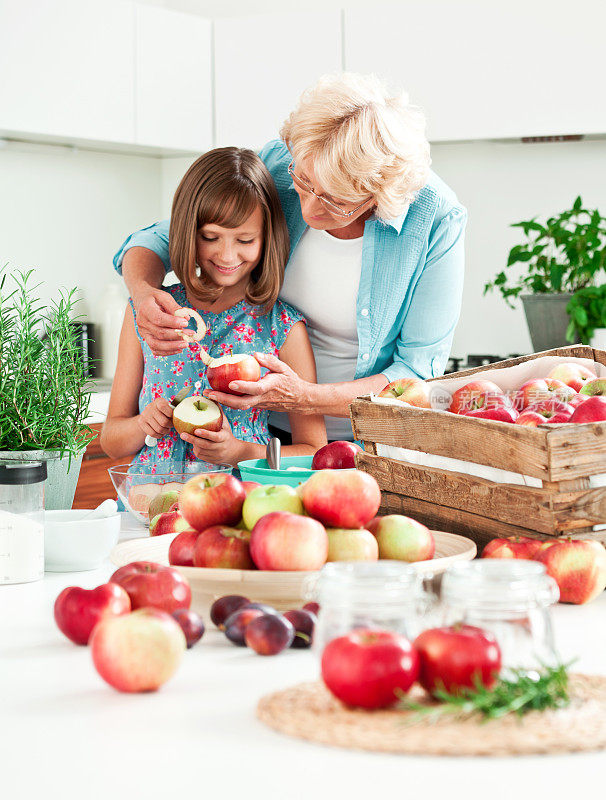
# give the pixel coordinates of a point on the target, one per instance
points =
(518, 694)
(43, 395)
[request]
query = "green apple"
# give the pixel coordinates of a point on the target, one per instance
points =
(162, 502)
(402, 539)
(346, 544)
(266, 499)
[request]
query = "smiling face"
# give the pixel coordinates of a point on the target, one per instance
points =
(227, 256)
(320, 215)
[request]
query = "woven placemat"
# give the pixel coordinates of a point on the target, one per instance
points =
(309, 711)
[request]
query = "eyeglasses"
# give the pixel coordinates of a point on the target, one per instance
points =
(332, 207)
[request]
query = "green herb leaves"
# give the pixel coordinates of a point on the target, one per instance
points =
(43, 402)
(523, 692)
(565, 254)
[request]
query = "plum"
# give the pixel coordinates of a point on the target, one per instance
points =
(236, 624)
(313, 607)
(262, 607)
(224, 607)
(191, 624)
(303, 622)
(269, 634)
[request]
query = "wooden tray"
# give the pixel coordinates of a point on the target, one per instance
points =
(283, 590)
(561, 456)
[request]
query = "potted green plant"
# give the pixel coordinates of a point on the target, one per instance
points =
(561, 257)
(44, 398)
(587, 312)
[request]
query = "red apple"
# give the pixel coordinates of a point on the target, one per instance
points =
(546, 412)
(137, 652)
(578, 567)
(476, 395)
(351, 545)
(197, 413)
(592, 410)
(457, 658)
(249, 486)
(542, 389)
(336, 455)
(403, 539)
(237, 367)
(369, 668)
(285, 541)
(77, 611)
(223, 548)
(181, 550)
(511, 547)
(168, 522)
(498, 414)
(150, 584)
(576, 400)
(412, 391)
(268, 498)
(212, 499)
(573, 375)
(341, 499)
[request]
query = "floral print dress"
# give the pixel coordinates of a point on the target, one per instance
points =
(243, 328)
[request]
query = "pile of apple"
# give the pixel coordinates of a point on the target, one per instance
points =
(224, 523)
(371, 668)
(570, 393)
(138, 624)
(578, 566)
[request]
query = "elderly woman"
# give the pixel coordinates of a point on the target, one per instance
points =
(376, 254)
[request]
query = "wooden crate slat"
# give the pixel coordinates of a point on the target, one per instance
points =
(575, 451)
(514, 448)
(525, 506)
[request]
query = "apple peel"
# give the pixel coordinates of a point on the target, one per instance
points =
(189, 335)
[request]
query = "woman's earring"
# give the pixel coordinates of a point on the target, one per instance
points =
(198, 270)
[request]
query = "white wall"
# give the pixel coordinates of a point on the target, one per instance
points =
(65, 212)
(501, 183)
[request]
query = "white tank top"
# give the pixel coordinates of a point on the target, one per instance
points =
(322, 281)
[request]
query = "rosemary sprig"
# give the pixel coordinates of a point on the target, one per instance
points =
(522, 692)
(43, 398)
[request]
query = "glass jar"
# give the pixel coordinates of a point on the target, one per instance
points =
(22, 521)
(382, 594)
(510, 598)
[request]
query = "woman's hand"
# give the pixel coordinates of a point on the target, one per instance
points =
(217, 447)
(157, 324)
(156, 419)
(280, 390)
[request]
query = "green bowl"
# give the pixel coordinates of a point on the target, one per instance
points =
(256, 469)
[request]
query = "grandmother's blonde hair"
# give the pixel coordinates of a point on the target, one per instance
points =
(361, 140)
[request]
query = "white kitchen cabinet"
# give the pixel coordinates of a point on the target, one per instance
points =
(67, 69)
(173, 80)
(488, 70)
(263, 63)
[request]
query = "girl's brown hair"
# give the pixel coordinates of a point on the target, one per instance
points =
(223, 187)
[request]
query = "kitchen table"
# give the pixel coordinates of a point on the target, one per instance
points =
(66, 734)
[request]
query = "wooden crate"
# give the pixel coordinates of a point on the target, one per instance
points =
(562, 456)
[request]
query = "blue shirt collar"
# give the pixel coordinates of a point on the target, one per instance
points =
(397, 222)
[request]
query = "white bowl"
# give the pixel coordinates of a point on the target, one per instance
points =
(72, 544)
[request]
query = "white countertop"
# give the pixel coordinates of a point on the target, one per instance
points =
(65, 734)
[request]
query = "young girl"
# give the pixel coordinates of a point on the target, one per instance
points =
(228, 247)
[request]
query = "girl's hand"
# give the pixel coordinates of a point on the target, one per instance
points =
(157, 323)
(280, 390)
(217, 447)
(156, 419)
